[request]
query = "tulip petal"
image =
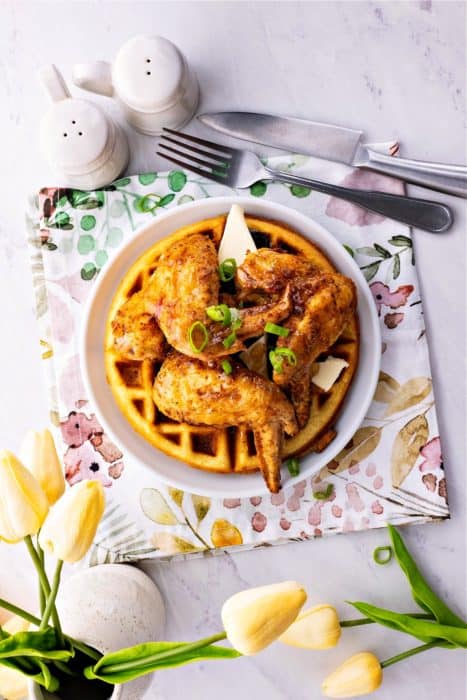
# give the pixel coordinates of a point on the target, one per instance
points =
(316, 628)
(359, 675)
(39, 455)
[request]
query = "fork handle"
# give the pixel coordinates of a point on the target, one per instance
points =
(420, 213)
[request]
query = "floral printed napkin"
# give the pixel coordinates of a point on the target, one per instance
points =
(391, 470)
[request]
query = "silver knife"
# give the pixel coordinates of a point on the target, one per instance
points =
(338, 144)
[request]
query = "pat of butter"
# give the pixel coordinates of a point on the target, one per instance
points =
(328, 372)
(237, 239)
(255, 357)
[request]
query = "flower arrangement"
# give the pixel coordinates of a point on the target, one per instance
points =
(35, 503)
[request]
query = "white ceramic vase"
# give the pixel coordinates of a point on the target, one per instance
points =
(110, 607)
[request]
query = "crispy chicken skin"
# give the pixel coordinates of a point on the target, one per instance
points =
(191, 391)
(186, 283)
(322, 304)
(136, 333)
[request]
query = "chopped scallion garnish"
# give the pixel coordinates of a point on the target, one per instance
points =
(383, 555)
(226, 366)
(276, 330)
(230, 340)
(198, 329)
(293, 465)
(227, 269)
(220, 313)
(276, 358)
(322, 495)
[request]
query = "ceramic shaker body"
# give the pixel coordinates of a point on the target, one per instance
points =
(151, 80)
(110, 607)
(85, 147)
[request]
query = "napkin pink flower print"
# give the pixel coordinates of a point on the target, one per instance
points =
(432, 454)
(395, 299)
(362, 180)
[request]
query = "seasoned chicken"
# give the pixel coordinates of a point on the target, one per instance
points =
(185, 284)
(187, 390)
(322, 304)
(135, 331)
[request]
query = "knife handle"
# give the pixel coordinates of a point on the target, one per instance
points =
(420, 213)
(451, 179)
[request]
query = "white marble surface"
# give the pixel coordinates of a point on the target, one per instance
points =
(393, 69)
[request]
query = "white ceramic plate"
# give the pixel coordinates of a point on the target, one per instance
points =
(167, 468)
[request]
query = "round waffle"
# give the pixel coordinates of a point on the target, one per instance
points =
(229, 449)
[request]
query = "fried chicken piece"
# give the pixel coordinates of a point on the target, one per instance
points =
(135, 331)
(186, 283)
(322, 304)
(190, 391)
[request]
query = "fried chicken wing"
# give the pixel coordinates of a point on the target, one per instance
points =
(191, 391)
(135, 331)
(270, 270)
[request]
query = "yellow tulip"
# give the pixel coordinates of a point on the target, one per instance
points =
(23, 504)
(13, 684)
(255, 618)
(39, 455)
(359, 675)
(71, 526)
(316, 628)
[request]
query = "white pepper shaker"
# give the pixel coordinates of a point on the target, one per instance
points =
(151, 80)
(85, 147)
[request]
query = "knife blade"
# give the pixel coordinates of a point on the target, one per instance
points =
(338, 144)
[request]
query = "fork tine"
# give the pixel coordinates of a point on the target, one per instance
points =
(202, 142)
(200, 161)
(204, 173)
(214, 157)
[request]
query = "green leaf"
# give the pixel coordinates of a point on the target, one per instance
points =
(87, 200)
(258, 189)
(88, 271)
(369, 271)
(60, 220)
(86, 244)
(123, 182)
(422, 593)
(101, 258)
(63, 201)
(400, 241)
(35, 669)
(88, 222)
(349, 250)
(396, 266)
(166, 200)
(369, 250)
(300, 191)
(51, 246)
(177, 180)
(382, 251)
(127, 664)
(114, 237)
(185, 198)
(426, 630)
(147, 178)
(41, 645)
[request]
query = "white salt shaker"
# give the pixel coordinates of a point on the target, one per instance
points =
(82, 144)
(151, 80)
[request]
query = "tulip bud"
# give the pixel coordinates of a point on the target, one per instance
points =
(359, 675)
(316, 628)
(13, 684)
(23, 504)
(71, 525)
(255, 618)
(39, 455)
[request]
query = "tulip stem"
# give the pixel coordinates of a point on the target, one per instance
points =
(406, 654)
(40, 552)
(53, 595)
(91, 653)
(136, 663)
(45, 586)
(366, 620)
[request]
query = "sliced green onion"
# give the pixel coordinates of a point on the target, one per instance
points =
(293, 465)
(227, 270)
(220, 313)
(230, 340)
(276, 358)
(226, 366)
(322, 495)
(276, 330)
(198, 327)
(383, 555)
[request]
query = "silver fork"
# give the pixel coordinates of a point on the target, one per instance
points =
(239, 168)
